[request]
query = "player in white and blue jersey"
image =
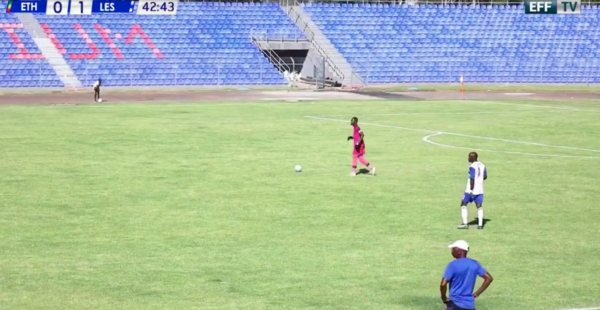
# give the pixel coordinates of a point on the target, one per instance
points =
(474, 191)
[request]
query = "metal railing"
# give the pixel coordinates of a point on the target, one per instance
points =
(415, 70)
(201, 70)
(257, 38)
(491, 70)
(282, 35)
(38, 74)
(288, 6)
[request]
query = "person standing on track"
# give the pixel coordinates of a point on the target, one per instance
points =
(96, 86)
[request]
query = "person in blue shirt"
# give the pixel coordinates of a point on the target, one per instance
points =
(461, 275)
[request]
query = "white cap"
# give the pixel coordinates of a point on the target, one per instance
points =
(461, 244)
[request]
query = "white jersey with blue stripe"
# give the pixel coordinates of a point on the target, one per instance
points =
(478, 172)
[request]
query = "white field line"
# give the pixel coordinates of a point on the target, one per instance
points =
(590, 308)
(167, 104)
(464, 113)
(563, 108)
(426, 139)
(553, 109)
(459, 135)
(278, 101)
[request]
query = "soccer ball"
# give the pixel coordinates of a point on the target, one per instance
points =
(298, 168)
(100, 100)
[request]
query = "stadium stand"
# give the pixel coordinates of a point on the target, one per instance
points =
(21, 62)
(206, 43)
(437, 43)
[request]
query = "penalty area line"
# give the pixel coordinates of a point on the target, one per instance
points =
(560, 108)
(461, 135)
(589, 308)
(463, 113)
(426, 139)
(538, 109)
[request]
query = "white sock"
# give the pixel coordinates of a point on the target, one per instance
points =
(465, 215)
(480, 216)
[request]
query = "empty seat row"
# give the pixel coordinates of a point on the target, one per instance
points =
(433, 43)
(204, 43)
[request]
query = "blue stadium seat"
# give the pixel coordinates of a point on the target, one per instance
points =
(204, 39)
(21, 62)
(438, 43)
(209, 42)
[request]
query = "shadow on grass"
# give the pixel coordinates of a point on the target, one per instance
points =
(422, 303)
(363, 171)
(475, 221)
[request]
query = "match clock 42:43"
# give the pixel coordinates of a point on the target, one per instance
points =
(157, 7)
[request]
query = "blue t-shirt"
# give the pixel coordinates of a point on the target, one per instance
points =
(461, 274)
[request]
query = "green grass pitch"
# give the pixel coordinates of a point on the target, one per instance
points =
(189, 206)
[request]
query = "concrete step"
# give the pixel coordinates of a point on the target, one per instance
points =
(62, 69)
(333, 57)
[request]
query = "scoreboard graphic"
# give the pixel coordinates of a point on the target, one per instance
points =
(89, 7)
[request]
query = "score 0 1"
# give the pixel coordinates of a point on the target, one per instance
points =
(69, 7)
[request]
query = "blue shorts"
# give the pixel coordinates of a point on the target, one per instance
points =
(451, 306)
(478, 199)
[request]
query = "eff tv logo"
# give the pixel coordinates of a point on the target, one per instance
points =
(553, 7)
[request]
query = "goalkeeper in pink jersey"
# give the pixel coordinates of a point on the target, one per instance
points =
(359, 148)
